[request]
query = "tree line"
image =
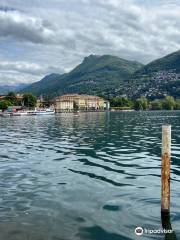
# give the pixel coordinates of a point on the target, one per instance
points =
(11, 99)
(142, 103)
(29, 100)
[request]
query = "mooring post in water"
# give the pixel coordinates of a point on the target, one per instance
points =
(165, 171)
(165, 179)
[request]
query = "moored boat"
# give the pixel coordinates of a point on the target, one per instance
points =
(20, 113)
(5, 114)
(43, 111)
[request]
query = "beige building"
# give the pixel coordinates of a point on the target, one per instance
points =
(71, 102)
(39, 103)
(64, 104)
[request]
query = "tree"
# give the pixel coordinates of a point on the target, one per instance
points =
(47, 101)
(141, 104)
(4, 104)
(29, 100)
(177, 104)
(11, 97)
(138, 105)
(75, 106)
(156, 105)
(144, 103)
(168, 103)
(121, 102)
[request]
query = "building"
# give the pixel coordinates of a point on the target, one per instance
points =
(72, 102)
(19, 97)
(64, 103)
(2, 97)
(39, 103)
(14, 108)
(44, 102)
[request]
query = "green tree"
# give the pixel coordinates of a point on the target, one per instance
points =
(144, 103)
(47, 101)
(156, 105)
(138, 105)
(29, 100)
(4, 104)
(75, 106)
(141, 104)
(177, 104)
(168, 103)
(121, 102)
(11, 97)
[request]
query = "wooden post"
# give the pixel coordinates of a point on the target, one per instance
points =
(165, 171)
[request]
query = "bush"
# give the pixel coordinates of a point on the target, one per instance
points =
(4, 104)
(29, 100)
(168, 103)
(156, 105)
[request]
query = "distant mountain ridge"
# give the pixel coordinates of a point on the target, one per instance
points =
(4, 89)
(113, 76)
(169, 62)
(95, 75)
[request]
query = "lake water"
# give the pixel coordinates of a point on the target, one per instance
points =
(91, 176)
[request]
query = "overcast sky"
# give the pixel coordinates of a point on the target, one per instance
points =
(38, 37)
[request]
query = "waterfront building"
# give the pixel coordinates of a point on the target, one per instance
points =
(44, 102)
(14, 108)
(71, 102)
(40, 103)
(64, 104)
(18, 96)
(2, 97)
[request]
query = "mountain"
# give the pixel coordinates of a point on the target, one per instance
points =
(46, 86)
(112, 76)
(4, 89)
(157, 79)
(95, 75)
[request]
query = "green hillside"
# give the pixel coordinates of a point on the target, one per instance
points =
(169, 62)
(158, 78)
(95, 75)
(112, 76)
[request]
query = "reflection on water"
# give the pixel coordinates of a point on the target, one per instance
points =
(95, 176)
(166, 224)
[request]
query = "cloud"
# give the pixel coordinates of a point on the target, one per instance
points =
(24, 72)
(12, 78)
(39, 37)
(23, 27)
(26, 67)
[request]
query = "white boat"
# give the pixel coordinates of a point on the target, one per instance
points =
(46, 111)
(43, 111)
(19, 113)
(5, 114)
(31, 112)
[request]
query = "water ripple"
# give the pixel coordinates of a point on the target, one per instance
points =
(87, 177)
